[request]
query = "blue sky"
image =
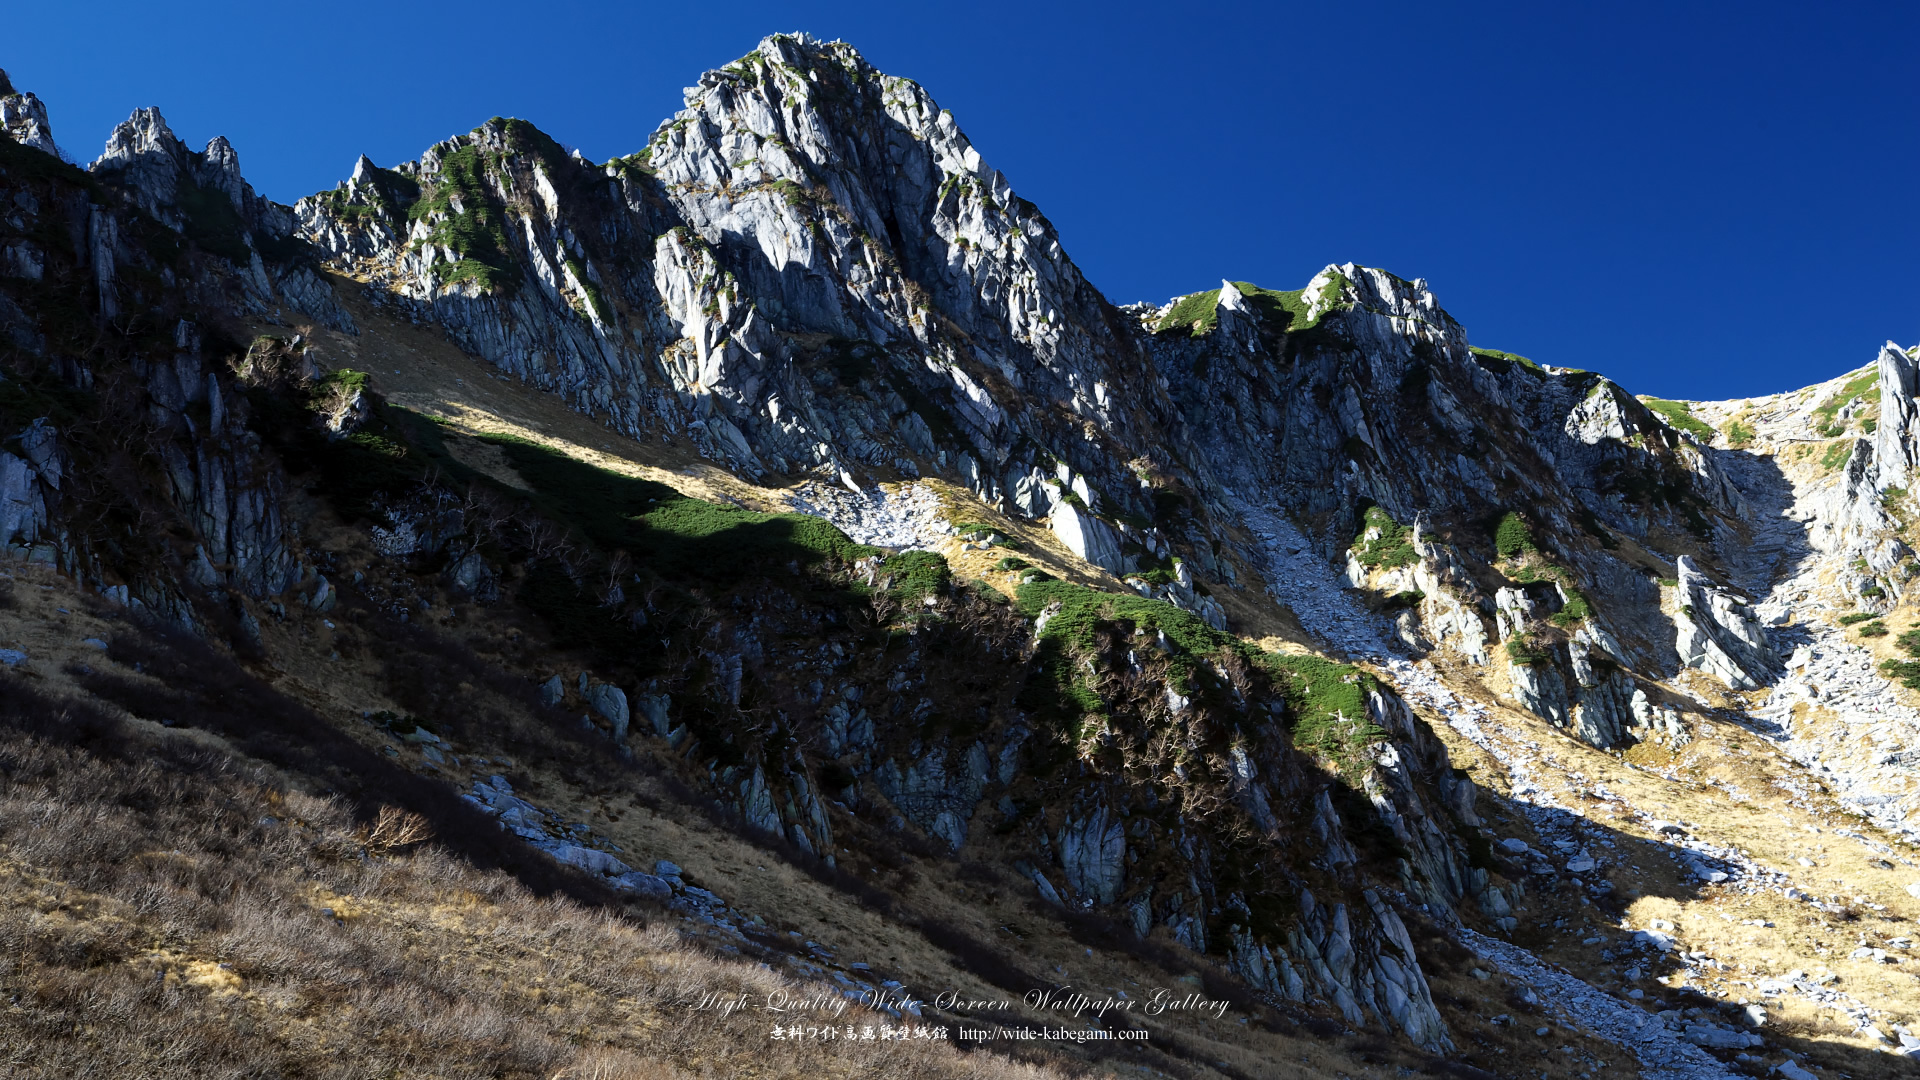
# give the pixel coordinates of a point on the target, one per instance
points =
(1699, 200)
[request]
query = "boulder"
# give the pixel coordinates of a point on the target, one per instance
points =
(471, 575)
(611, 703)
(586, 858)
(324, 597)
(648, 885)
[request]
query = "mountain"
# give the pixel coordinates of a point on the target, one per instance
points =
(765, 562)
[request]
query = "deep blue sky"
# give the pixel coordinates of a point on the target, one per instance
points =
(1699, 200)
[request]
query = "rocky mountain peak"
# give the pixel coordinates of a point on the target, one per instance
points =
(166, 177)
(799, 128)
(141, 134)
(221, 170)
(1231, 298)
(24, 119)
(146, 155)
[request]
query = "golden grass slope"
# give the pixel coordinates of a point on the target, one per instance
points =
(165, 911)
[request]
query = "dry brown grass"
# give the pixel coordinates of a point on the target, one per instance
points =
(941, 928)
(165, 911)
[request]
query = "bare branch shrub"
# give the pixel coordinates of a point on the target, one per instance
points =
(394, 829)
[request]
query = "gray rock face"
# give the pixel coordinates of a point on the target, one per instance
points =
(210, 478)
(471, 575)
(1093, 852)
(1719, 634)
(1660, 723)
(1600, 416)
(1361, 977)
(229, 499)
(1896, 439)
(1578, 687)
(23, 511)
(802, 196)
(1048, 893)
(1087, 536)
(756, 803)
(1540, 690)
(324, 597)
(1604, 714)
(935, 794)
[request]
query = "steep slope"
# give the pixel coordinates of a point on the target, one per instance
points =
(1341, 656)
(183, 248)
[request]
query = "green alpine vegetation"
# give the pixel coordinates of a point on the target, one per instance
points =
(1393, 547)
(1906, 671)
(1864, 387)
(1287, 311)
(1512, 536)
(1329, 707)
(1575, 609)
(1500, 361)
(1326, 700)
(792, 193)
(476, 232)
(918, 574)
(1522, 650)
(676, 535)
(344, 380)
(985, 534)
(1836, 454)
(1679, 416)
(595, 300)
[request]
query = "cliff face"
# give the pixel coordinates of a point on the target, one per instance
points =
(629, 289)
(133, 464)
(809, 275)
(811, 271)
